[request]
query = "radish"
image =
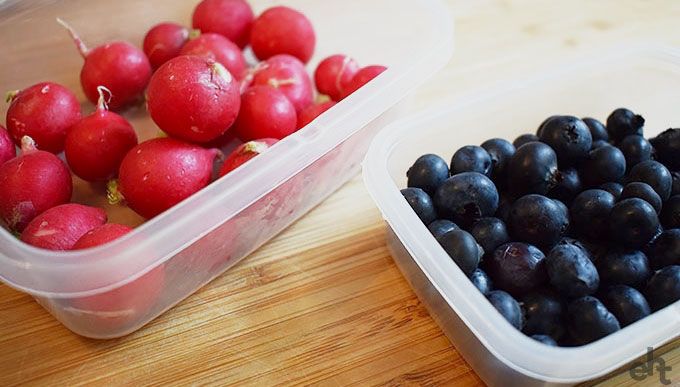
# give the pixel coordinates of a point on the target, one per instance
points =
(334, 74)
(159, 173)
(219, 49)
(43, 112)
(30, 184)
(96, 145)
(282, 30)
(244, 153)
(287, 74)
(60, 227)
(119, 66)
(101, 235)
(193, 99)
(229, 18)
(163, 42)
(7, 149)
(265, 113)
(308, 115)
(362, 77)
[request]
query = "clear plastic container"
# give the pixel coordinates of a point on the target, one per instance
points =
(646, 80)
(115, 289)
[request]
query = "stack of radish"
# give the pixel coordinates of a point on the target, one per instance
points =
(199, 90)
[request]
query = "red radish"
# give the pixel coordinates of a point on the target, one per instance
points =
(246, 152)
(229, 18)
(219, 49)
(157, 174)
(31, 184)
(101, 235)
(7, 149)
(60, 227)
(43, 112)
(308, 115)
(287, 74)
(119, 66)
(282, 30)
(265, 113)
(193, 99)
(163, 42)
(334, 74)
(96, 145)
(364, 76)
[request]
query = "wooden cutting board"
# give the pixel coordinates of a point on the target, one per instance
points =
(323, 303)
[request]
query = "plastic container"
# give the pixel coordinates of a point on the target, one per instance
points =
(646, 80)
(115, 289)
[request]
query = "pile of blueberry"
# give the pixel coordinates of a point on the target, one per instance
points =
(571, 233)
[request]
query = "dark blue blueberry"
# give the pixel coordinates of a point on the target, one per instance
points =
(665, 250)
(603, 165)
(656, 175)
(463, 249)
(675, 190)
(623, 122)
(500, 151)
(624, 267)
(568, 187)
(589, 213)
(599, 144)
(543, 314)
(667, 146)
(670, 214)
(613, 188)
(635, 149)
(663, 288)
(597, 129)
(537, 220)
(571, 271)
(481, 281)
(441, 226)
(633, 223)
(589, 320)
(421, 204)
(547, 340)
(569, 137)
(626, 304)
(471, 158)
(642, 191)
(466, 197)
(507, 307)
(490, 233)
(517, 267)
(533, 169)
(524, 139)
(428, 173)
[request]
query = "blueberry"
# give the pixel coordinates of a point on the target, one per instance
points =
(481, 281)
(589, 320)
(642, 191)
(597, 130)
(635, 149)
(590, 211)
(500, 151)
(571, 271)
(675, 189)
(543, 314)
(466, 197)
(463, 249)
(428, 173)
(633, 223)
(667, 146)
(599, 144)
(537, 220)
(504, 207)
(524, 139)
(569, 137)
(517, 267)
(603, 165)
(670, 214)
(421, 204)
(547, 340)
(623, 122)
(507, 307)
(539, 130)
(656, 175)
(533, 169)
(663, 288)
(624, 267)
(613, 188)
(665, 250)
(490, 233)
(567, 189)
(626, 304)
(471, 158)
(441, 226)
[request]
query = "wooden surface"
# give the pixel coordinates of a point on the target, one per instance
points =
(324, 302)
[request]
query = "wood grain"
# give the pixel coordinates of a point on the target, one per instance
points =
(323, 303)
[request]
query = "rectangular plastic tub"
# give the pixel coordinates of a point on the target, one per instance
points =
(115, 289)
(646, 80)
